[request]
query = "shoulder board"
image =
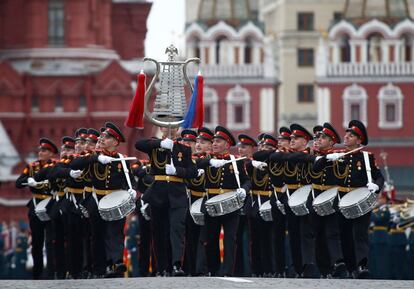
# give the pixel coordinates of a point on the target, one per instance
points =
(26, 170)
(134, 166)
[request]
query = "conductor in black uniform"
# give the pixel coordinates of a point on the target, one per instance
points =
(171, 163)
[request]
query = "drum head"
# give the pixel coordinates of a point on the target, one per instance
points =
(42, 204)
(219, 198)
(354, 197)
(326, 196)
(114, 199)
(300, 196)
(266, 206)
(196, 206)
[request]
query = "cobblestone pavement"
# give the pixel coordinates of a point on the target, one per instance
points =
(208, 283)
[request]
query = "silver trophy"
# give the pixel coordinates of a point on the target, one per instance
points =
(170, 103)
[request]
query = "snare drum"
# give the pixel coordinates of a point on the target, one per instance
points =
(297, 201)
(195, 212)
(40, 210)
(116, 205)
(223, 204)
(323, 204)
(265, 211)
(357, 203)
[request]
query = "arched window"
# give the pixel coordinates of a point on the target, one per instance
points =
(407, 48)
(345, 49)
(221, 50)
(238, 108)
(58, 102)
(56, 22)
(82, 103)
(211, 113)
(374, 47)
(248, 51)
(355, 104)
(390, 101)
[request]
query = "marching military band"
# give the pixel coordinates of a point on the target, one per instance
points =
(191, 189)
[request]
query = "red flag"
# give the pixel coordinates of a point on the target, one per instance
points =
(136, 111)
(199, 116)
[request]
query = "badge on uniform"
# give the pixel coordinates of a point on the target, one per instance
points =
(119, 167)
(359, 165)
(231, 168)
(180, 156)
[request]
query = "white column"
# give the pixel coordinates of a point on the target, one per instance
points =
(384, 51)
(267, 113)
(336, 52)
(364, 51)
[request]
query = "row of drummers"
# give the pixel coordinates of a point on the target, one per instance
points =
(322, 196)
(283, 185)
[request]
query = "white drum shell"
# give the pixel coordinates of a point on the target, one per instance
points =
(297, 201)
(195, 212)
(223, 204)
(116, 205)
(265, 211)
(323, 203)
(357, 203)
(40, 210)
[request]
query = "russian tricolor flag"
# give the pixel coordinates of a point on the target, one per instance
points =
(195, 114)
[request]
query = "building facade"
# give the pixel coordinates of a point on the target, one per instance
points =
(237, 64)
(365, 70)
(69, 64)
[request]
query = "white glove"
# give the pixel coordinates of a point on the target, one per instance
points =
(143, 211)
(372, 187)
(31, 182)
(200, 172)
(75, 173)
(170, 169)
(133, 193)
(259, 165)
(334, 156)
(241, 193)
(167, 144)
(105, 159)
(217, 163)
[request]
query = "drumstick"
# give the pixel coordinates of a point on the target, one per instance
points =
(352, 151)
(239, 159)
(125, 159)
(38, 183)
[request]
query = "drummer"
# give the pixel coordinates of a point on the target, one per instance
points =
(352, 174)
(246, 146)
(40, 230)
(221, 178)
(107, 177)
(324, 229)
(261, 244)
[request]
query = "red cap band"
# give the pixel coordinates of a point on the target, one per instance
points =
(301, 134)
(247, 141)
(48, 147)
(92, 136)
(190, 136)
(114, 133)
(330, 133)
(270, 141)
(225, 136)
(285, 134)
(358, 132)
(206, 135)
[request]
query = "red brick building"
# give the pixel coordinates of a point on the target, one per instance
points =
(63, 65)
(365, 71)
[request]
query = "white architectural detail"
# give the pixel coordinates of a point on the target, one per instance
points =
(355, 100)
(267, 110)
(323, 101)
(390, 98)
(238, 101)
(211, 101)
(9, 156)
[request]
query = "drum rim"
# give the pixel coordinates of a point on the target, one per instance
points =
(214, 199)
(369, 194)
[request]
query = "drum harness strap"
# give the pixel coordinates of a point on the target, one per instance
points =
(367, 168)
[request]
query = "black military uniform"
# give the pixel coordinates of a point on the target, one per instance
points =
(107, 178)
(195, 189)
(351, 175)
(275, 167)
(141, 170)
(167, 197)
(261, 233)
(39, 229)
(318, 230)
(218, 181)
(58, 210)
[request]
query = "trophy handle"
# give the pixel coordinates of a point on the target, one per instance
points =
(188, 61)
